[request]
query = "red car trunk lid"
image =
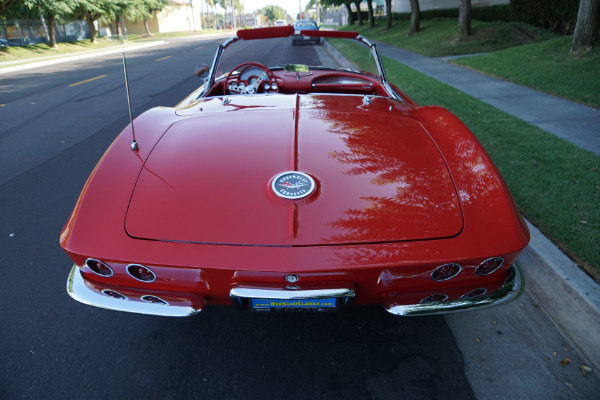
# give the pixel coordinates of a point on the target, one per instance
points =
(379, 178)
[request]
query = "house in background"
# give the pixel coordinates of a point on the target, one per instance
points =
(179, 16)
(403, 6)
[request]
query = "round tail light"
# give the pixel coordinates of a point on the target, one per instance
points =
(474, 293)
(114, 294)
(141, 273)
(98, 267)
(153, 299)
(488, 266)
(445, 272)
(434, 298)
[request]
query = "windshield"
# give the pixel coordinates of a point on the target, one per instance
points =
(306, 25)
(276, 53)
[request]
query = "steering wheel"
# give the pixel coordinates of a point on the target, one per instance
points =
(251, 78)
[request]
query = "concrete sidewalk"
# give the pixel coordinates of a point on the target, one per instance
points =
(566, 119)
(567, 294)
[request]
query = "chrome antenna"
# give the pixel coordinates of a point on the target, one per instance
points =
(134, 144)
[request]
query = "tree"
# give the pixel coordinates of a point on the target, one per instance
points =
(586, 34)
(388, 14)
(150, 7)
(358, 14)
(211, 5)
(5, 4)
(371, 16)
(118, 9)
(346, 3)
(273, 13)
(51, 10)
(415, 17)
(91, 10)
(464, 19)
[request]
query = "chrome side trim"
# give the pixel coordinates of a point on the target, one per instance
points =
(280, 294)
(78, 290)
(512, 288)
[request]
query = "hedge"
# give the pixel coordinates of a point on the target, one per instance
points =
(557, 15)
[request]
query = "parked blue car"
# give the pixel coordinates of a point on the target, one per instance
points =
(305, 25)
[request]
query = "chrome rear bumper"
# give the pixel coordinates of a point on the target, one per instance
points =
(512, 288)
(80, 291)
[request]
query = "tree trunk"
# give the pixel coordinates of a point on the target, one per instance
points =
(371, 17)
(119, 29)
(350, 15)
(415, 17)
(233, 15)
(464, 18)
(146, 27)
(587, 27)
(358, 14)
(51, 31)
(388, 14)
(91, 27)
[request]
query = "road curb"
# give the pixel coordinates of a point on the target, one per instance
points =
(565, 292)
(78, 56)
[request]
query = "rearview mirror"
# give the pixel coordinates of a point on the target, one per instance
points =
(202, 71)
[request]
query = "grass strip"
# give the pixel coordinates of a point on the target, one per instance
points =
(438, 36)
(17, 53)
(518, 53)
(36, 51)
(545, 66)
(555, 184)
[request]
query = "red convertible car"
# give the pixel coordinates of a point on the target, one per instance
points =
(293, 179)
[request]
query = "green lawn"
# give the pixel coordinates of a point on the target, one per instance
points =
(555, 184)
(24, 54)
(438, 37)
(518, 53)
(545, 66)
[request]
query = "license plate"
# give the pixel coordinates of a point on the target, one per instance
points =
(264, 304)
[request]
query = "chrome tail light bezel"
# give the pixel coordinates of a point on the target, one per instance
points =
(436, 272)
(93, 268)
(127, 269)
(114, 295)
(491, 259)
(434, 298)
(148, 298)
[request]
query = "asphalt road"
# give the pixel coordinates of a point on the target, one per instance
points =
(55, 125)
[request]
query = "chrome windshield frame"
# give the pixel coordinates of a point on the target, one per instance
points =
(372, 47)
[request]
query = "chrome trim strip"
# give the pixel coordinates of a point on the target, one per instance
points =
(211, 78)
(280, 294)
(380, 68)
(78, 290)
(512, 288)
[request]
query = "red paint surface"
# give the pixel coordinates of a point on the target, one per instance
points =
(389, 175)
(380, 177)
